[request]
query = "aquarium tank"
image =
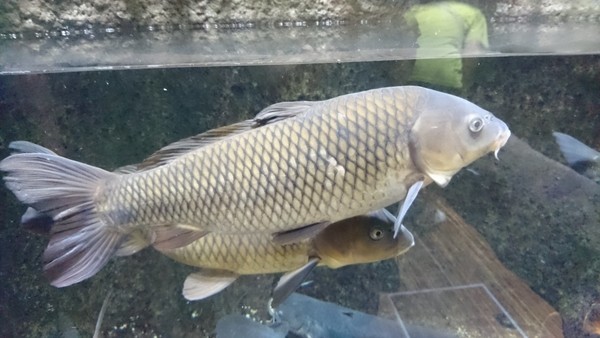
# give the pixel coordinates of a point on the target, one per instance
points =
(187, 97)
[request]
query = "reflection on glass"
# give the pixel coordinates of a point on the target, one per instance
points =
(446, 31)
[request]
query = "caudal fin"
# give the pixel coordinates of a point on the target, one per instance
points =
(80, 244)
(33, 220)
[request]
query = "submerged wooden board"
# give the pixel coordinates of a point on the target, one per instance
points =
(451, 280)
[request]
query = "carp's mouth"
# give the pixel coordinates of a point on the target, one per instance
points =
(500, 142)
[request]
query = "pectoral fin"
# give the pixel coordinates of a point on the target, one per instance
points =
(384, 215)
(299, 234)
(440, 179)
(412, 193)
(205, 283)
(171, 237)
(289, 282)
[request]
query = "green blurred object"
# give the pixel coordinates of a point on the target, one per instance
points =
(447, 31)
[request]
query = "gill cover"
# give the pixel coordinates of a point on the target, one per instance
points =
(450, 133)
(361, 239)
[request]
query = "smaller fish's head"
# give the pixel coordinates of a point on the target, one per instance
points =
(361, 239)
(450, 133)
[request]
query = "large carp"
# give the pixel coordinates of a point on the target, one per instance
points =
(303, 166)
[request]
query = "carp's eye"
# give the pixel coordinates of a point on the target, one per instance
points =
(476, 125)
(376, 234)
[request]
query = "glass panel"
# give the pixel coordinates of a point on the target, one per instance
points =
(506, 248)
(378, 33)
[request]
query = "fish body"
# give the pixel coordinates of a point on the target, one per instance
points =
(337, 159)
(579, 156)
(310, 165)
(360, 239)
(223, 257)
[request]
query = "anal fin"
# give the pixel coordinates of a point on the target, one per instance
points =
(205, 283)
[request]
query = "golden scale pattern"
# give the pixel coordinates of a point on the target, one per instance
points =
(276, 177)
(250, 254)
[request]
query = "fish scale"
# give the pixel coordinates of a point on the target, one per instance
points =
(243, 254)
(322, 185)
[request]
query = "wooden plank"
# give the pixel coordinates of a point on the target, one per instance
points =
(452, 280)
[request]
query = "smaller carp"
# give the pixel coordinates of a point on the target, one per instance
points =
(579, 156)
(224, 257)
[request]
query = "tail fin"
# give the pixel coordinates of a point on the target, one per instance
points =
(80, 244)
(32, 220)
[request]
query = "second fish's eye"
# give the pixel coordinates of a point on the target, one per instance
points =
(476, 125)
(376, 234)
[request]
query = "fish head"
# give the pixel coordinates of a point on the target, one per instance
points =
(361, 239)
(450, 133)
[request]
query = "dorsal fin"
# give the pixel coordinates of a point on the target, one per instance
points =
(283, 110)
(271, 114)
(181, 147)
(299, 234)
